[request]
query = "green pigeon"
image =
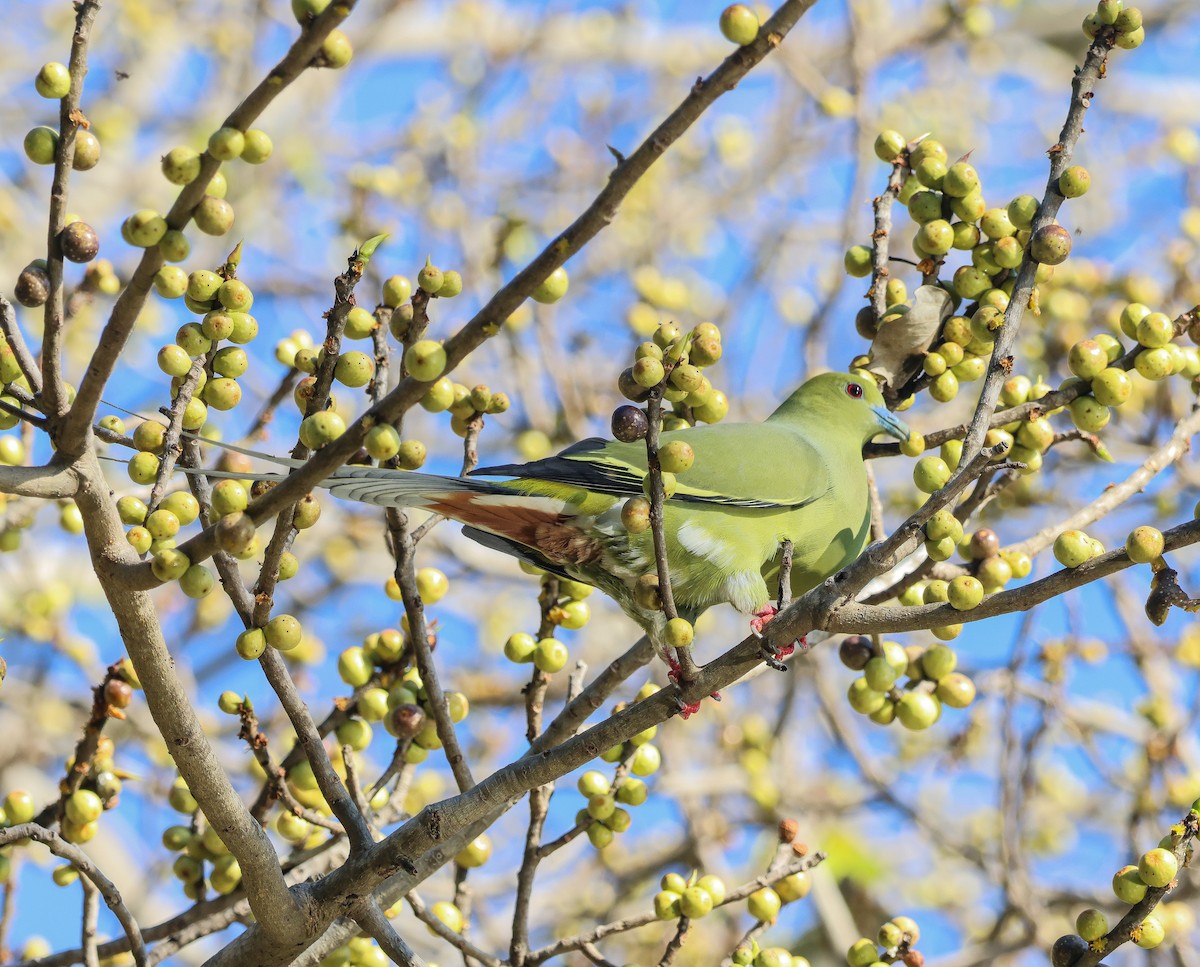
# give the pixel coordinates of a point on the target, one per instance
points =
(798, 475)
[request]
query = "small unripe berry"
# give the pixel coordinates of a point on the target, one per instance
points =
(676, 457)
(550, 655)
(213, 216)
(283, 632)
(961, 179)
(41, 144)
(1072, 548)
(336, 51)
(1074, 182)
(425, 360)
(53, 81)
(739, 24)
(888, 144)
(430, 277)
(553, 288)
(145, 228)
(1130, 39)
(1091, 925)
(1144, 544)
(257, 147)
(1158, 867)
(678, 633)
(181, 166)
(397, 290)
(857, 261)
(966, 592)
(354, 369)
(956, 689)
(917, 710)
(764, 904)
(225, 144)
(930, 474)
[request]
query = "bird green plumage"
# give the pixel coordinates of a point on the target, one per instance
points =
(799, 475)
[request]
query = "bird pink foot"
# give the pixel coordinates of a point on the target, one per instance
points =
(686, 709)
(773, 655)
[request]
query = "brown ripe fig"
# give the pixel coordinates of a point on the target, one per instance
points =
(79, 242)
(1050, 245)
(629, 424)
(118, 693)
(984, 543)
(33, 287)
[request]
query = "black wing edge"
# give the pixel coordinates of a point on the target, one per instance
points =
(549, 468)
(609, 480)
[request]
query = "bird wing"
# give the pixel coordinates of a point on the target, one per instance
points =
(756, 465)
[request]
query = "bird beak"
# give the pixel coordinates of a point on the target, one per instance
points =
(891, 424)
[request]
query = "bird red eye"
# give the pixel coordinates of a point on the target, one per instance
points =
(853, 389)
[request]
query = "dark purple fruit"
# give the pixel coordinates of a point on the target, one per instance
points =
(629, 424)
(630, 388)
(79, 242)
(33, 287)
(1067, 949)
(855, 651)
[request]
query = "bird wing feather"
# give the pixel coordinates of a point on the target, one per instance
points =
(759, 466)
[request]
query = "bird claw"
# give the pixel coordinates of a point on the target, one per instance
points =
(760, 619)
(772, 654)
(686, 709)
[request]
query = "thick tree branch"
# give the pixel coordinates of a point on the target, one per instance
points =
(170, 706)
(53, 481)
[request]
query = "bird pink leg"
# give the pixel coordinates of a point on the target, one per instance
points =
(686, 709)
(760, 620)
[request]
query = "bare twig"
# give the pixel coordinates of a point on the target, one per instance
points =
(70, 119)
(14, 338)
(405, 574)
(83, 863)
(91, 909)
(456, 939)
(375, 924)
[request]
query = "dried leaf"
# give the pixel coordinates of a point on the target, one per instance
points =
(901, 344)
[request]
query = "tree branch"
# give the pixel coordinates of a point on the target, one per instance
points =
(129, 303)
(490, 318)
(82, 862)
(70, 119)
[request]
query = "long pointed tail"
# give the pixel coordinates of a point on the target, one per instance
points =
(543, 523)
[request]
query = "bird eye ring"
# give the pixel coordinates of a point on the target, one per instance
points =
(854, 390)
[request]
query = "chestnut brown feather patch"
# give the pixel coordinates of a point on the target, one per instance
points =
(551, 534)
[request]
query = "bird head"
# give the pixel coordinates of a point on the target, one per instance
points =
(850, 401)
